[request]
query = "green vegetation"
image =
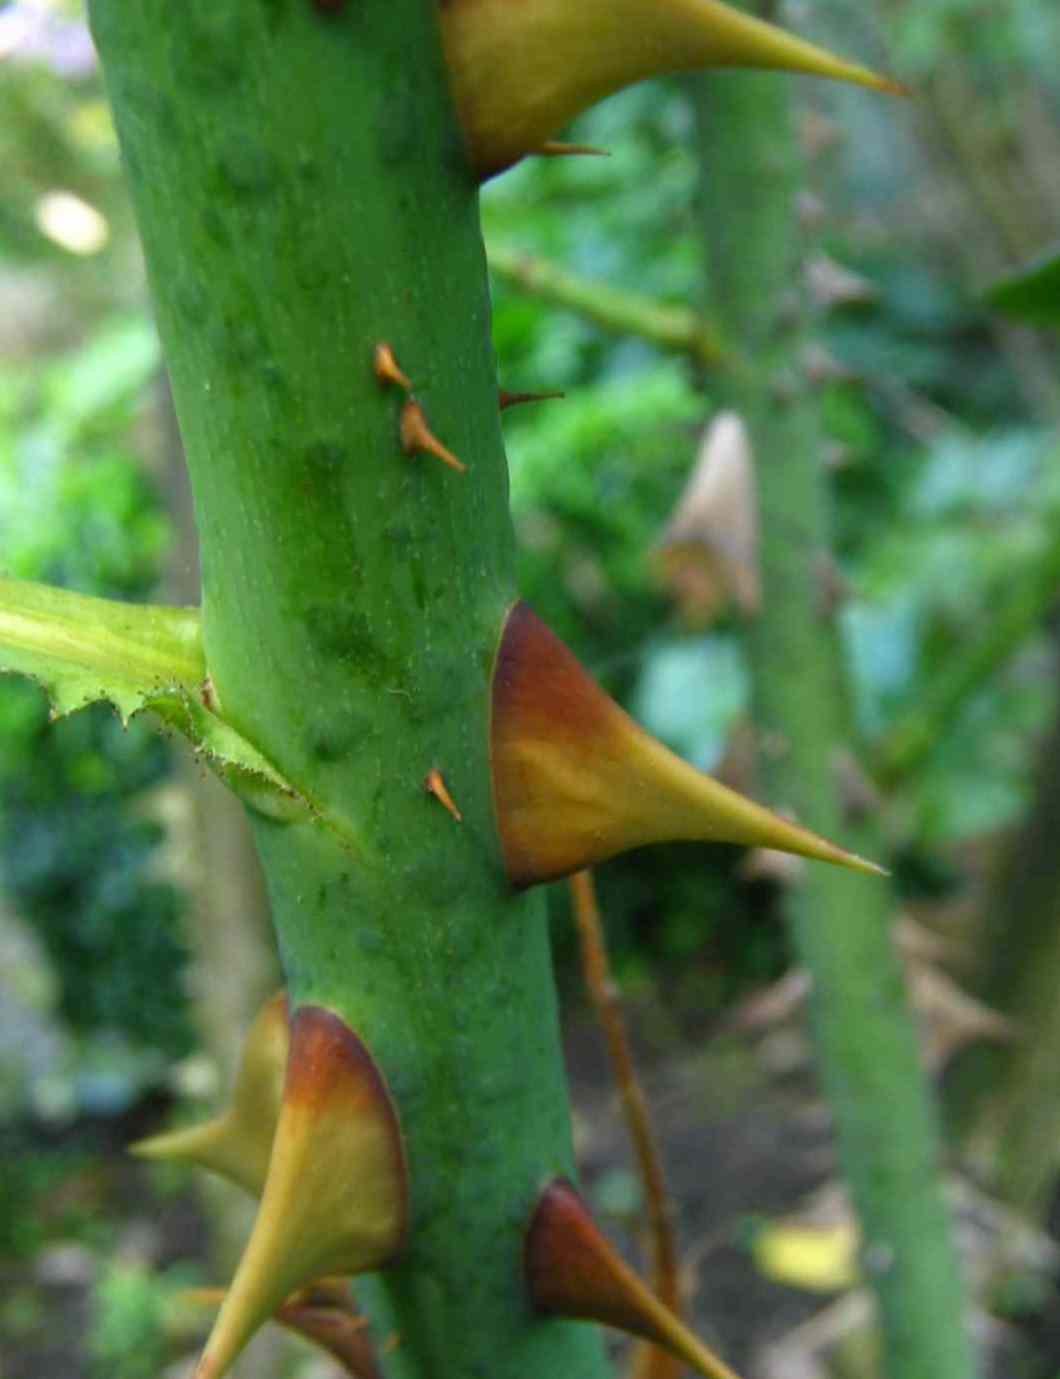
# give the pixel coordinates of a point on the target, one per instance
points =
(375, 582)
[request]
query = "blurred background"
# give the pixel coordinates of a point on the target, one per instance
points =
(124, 874)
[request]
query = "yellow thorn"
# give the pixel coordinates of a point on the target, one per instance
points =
(435, 785)
(237, 1143)
(335, 1199)
(520, 72)
(576, 780)
(417, 437)
(387, 369)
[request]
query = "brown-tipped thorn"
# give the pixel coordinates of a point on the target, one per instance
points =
(417, 437)
(520, 72)
(574, 1271)
(554, 148)
(435, 785)
(387, 369)
(237, 1143)
(576, 781)
(507, 399)
(335, 1199)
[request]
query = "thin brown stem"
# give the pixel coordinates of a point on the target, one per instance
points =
(648, 1362)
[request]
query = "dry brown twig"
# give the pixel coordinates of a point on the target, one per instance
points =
(649, 1362)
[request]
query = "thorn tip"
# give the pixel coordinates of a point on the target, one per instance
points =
(435, 785)
(418, 438)
(387, 369)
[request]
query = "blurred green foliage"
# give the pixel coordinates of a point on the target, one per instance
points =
(133, 1320)
(39, 1202)
(78, 508)
(1033, 294)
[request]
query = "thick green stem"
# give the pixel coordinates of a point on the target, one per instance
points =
(302, 195)
(840, 921)
(627, 313)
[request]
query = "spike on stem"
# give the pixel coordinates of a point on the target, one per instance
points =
(387, 370)
(417, 437)
(237, 1143)
(574, 1271)
(335, 1198)
(576, 781)
(520, 72)
(435, 785)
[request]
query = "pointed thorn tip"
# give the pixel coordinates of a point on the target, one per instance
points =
(418, 438)
(387, 369)
(435, 785)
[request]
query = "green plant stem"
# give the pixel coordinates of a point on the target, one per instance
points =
(302, 195)
(626, 313)
(867, 1045)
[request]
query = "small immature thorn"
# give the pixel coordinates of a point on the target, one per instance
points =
(237, 1143)
(508, 399)
(574, 1271)
(335, 1198)
(387, 369)
(417, 437)
(576, 780)
(435, 785)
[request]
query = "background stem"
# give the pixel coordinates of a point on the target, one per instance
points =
(867, 1045)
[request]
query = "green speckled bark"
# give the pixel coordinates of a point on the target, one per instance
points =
(866, 1041)
(302, 195)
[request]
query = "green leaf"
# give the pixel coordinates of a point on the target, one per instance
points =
(135, 657)
(1033, 293)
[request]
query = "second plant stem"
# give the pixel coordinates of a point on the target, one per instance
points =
(840, 922)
